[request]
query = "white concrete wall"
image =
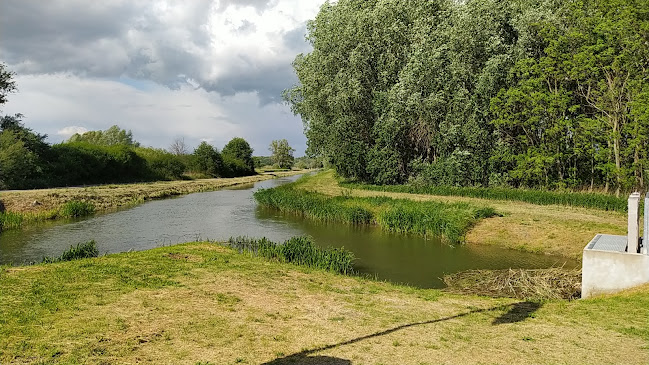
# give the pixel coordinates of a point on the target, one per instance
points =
(608, 272)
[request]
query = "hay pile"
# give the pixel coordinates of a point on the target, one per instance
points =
(554, 283)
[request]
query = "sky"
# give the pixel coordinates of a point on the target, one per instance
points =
(202, 70)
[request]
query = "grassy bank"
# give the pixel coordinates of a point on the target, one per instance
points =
(450, 221)
(31, 206)
(538, 197)
(203, 303)
(551, 229)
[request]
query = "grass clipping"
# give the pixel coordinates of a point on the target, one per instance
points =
(554, 283)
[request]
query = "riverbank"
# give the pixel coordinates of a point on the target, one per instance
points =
(204, 303)
(549, 229)
(42, 204)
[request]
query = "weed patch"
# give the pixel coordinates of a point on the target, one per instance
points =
(299, 251)
(76, 208)
(80, 251)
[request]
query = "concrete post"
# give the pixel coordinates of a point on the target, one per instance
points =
(633, 232)
(645, 240)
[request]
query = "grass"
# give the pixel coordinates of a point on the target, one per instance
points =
(538, 284)
(205, 303)
(549, 229)
(80, 251)
(448, 221)
(75, 202)
(76, 208)
(533, 196)
(299, 251)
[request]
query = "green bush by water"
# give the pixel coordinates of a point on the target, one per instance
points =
(76, 208)
(444, 220)
(80, 251)
(540, 197)
(298, 250)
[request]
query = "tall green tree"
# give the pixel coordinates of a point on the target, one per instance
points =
(110, 137)
(239, 153)
(282, 153)
(208, 160)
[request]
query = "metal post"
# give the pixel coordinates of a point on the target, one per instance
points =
(645, 239)
(633, 232)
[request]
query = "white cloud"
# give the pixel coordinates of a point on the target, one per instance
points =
(68, 131)
(200, 69)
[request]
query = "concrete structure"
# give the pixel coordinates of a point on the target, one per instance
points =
(613, 263)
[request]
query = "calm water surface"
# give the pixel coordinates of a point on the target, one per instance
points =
(221, 214)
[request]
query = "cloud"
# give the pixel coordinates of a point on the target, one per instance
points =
(200, 69)
(68, 131)
(224, 46)
(155, 114)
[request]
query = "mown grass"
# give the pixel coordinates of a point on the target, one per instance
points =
(450, 221)
(205, 303)
(299, 251)
(80, 251)
(540, 197)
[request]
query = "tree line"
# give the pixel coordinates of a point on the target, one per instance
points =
(110, 156)
(523, 93)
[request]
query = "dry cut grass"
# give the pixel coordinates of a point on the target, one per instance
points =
(108, 197)
(201, 303)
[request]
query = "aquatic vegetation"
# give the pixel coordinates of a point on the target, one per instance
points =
(76, 208)
(80, 251)
(299, 251)
(449, 221)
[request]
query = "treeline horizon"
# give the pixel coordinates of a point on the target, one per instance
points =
(523, 93)
(110, 156)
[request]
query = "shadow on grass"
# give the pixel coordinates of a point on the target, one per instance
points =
(518, 312)
(303, 359)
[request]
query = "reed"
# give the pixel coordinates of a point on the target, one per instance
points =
(299, 251)
(449, 221)
(80, 251)
(76, 208)
(540, 197)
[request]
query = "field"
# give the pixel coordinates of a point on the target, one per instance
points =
(552, 229)
(201, 303)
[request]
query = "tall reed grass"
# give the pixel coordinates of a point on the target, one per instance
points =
(80, 251)
(76, 208)
(540, 197)
(447, 221)
(299, 251)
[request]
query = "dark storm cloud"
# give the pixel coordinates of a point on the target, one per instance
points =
(134, 39)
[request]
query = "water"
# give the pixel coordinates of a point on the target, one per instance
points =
(221, 214)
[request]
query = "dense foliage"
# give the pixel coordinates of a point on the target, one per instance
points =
(282, 154)
(27, 161)
(536, 93)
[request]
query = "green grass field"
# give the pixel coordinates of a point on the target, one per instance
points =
(201, 303)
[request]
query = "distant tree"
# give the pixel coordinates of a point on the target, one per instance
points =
(178, 147)
(282, 153)
(7, 85)
(110, 137)
(239, 149)
(22, 154)
(208, 160)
